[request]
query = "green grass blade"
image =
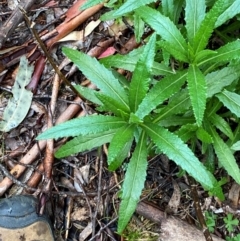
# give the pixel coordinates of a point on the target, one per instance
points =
(133, 183)
(194, 15)
(165, 28)
(229, 13)
(197, 91)
(98, 74)
(83, 126)
(207, 26)
(84, 143)
(171, 145)
(160, 92)
(225, 156)
(141, 76)
(122, 136)
(231, 100)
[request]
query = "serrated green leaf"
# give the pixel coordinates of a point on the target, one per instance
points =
(123, 135)
(225, 53)
(141, 76)
(204, 55)
(91, 3)
(129, 61)
(99, 75)
(203, 136)
(194, 15)
(221, 124)
(231, 101)
(111, 105)
(129, 6)
(121, 156)
(207, 25)
(19, 105)
(172, 9)
(83, 126)
(138, 28)
(229, 13)
(160, 92)
(133, 183)
(236, 146)
(165, 28)
(225, 156)
(88, 94)
(171, 145)
(175, 120)
(197, 91)
(84, 143)
(186, 132)
(179, 103)
(172, 50)
(217, 80)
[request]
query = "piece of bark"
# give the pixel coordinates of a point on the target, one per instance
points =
(172, 228)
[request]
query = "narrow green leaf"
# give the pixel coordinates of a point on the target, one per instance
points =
(84, 143)
(99, 75)
(129, 6)
(19, 105)
(221, 124)
(83, 126)
(88, 94)
(176, 120)
(236, 146)
(217, 80)
(197, 91)
(171, 145)
(203, 136)
(179, 103)
(207, 25)
(204, 55)
(224, 54)
(111, 105)
(91, 3)
(121, 156)
(165, 28)
(133, 183)
(229, 13)
(172, 50)
(225, 156)
(129, 61)
(172, 9)
(141, 76)
(138, 28)
(194, 15)
(123, 135)
(164, 89)
(231, 101)
(186, 132)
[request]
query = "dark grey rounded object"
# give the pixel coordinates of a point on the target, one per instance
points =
(19, 211)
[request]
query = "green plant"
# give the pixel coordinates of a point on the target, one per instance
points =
(210, 220)
(230, 222)
(195, 103)
(236, 238)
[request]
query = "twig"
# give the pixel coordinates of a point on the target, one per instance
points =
(44, 49)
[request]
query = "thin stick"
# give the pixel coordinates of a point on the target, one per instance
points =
(44, 49)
